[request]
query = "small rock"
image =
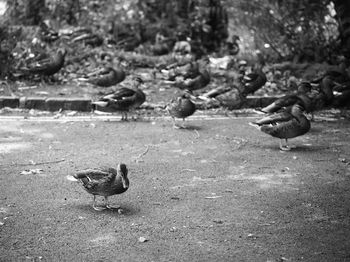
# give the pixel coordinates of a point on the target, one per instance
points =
(143, 239)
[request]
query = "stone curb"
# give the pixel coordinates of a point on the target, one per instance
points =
(85, 104)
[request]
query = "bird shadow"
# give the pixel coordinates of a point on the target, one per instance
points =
(297, 148)
(121, 210)
(190, 127)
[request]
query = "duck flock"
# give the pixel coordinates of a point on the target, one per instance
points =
(285, 118)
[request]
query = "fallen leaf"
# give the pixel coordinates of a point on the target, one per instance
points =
(212, 197)
(32, 171)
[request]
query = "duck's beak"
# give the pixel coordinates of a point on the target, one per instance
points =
(125, 182)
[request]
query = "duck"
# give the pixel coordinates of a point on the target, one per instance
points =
(106, 181)
(301, 96)
(254, 80)
(286, 124)
(124, 99)
(161, 45)
(181, 107)
(44, 65)
(232, 46)
(87, 37)
(190, 69)
(47, 32)
(105, 77)
(323, 95)
(197, 76)
(198, 82)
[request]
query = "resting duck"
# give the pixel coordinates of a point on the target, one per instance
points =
(284, 125)
(47, 32)
(45, 65)
(323, 96)
(191, 84)
(181, 107)
(161, 45)
(232, 46)
(189, 69)
(105, 77)
(253, 81)
(289, 100)
(104, 182)
(124, 99)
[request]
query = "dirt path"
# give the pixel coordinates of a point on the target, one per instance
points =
(219, 191)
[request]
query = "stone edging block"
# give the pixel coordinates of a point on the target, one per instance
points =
(48, 104)
(84, 104)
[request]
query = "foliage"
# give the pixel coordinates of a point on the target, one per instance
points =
(300, 30)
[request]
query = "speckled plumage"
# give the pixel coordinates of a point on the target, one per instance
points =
(46, 66)
(292, 99)
(284, 125)
(181, 107)
(124, 99)
(104, 181)
(106, 77)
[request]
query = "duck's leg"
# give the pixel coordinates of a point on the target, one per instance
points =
(109, 206)
(183, 123)
(174, 124)
(124, 116)
(285, 147)
(96, 207)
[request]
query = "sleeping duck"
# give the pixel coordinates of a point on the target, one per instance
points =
(254, 80)
(105, 77)
(104, 182)
(124, 99)
(43, 64)
(287, 124)
(301, 97)
(181, 107)
(323, 96)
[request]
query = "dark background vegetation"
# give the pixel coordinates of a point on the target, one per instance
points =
(282, 30)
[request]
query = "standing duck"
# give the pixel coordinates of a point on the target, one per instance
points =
(105, 77)
(104, 182)
(289, 100)
(284, 125)
(124, 99)
(181, 107)
(45, 65)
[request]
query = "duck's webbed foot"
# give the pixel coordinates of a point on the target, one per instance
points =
(98, 208)
(285, 147)
(110, 206)
(124, 116)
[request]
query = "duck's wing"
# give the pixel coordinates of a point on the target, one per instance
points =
(285, 101)
(121, 94)
(92, 174)
(275, 119)
(94, 178)
(124, 97)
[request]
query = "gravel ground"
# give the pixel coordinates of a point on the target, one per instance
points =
(217, 191)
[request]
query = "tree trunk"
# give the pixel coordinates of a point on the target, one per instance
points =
(342, 7)
(34, 11)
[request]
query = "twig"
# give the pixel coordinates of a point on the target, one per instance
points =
(188, 170)
(197, 133)
(35, 164)
(143, 153)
